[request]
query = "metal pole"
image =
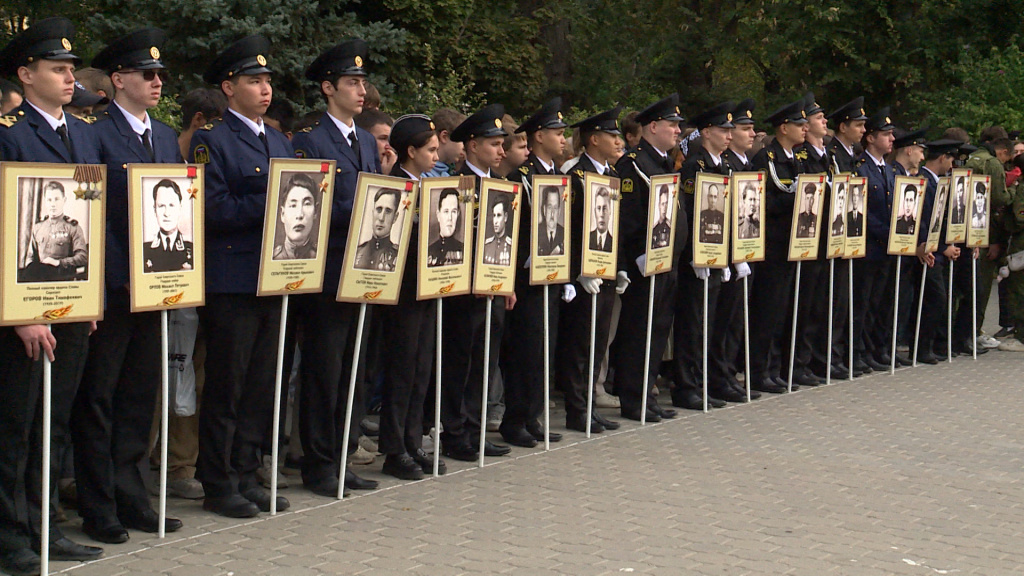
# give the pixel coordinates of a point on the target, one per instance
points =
(851, 321)
(487, 378)
(920, 306)
(647, 355)
(351, 398)
(974, 305)
(792, 336)
(547, 370)
(704, 344)
(831, 292)
(746, 335)
(279, 376)
(164, 409)
(895, 318)
(437, 393)
(590, 377)
(44, 505)
(949, 316)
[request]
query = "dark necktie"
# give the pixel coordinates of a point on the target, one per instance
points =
(62, 131)
(266, 145)
(355, 145)
(147, 144)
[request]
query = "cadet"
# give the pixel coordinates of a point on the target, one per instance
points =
(599, 135)
(523, 370)
(330, 326)
(659, 128)
(773, 278)
(242, 328)
(39, 131)
(115, 403)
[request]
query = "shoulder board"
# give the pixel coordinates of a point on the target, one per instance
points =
(86, 119)
(801, 155)
(631, 154)
(771, 155)
(579, 173)
(71, 221)
(524, 169)
(207, 126)
(701, 164)
(9, 120)
(306, 130)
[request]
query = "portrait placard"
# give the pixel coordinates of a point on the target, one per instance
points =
(959, 206)
(662, 210)
(295, 225)
(806, 230)
(748, 214)
(165, 236)
(856, 215)
(446, 229)
(378, 239)
(977, 229)
(549, 243)
(906, 214)
(494, 272)
(938, 211)
(836, 228)
(711, 223)
(601, 226)
(54, 218)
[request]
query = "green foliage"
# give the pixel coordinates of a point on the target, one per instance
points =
(168, 111)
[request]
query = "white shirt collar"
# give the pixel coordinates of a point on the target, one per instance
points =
(53, 122)
(742, 157)
(716, 159)
(256, 127)
(344, 128)
(934, 175)
(849, 149)
(879, 163)
(788, 153)
(138, 126)
(547, 167)
(410, 174)
(477, 171)
(602, 168)
(820, 151)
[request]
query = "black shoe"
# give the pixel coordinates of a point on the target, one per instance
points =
(884, 358)
(538, 433)
(861, 368)
(805, 379)
(728, 394)
(768, 385)
(261, 498)
(902, 360)
(876, 365)
(927, 358)
(785, 383)
(492, 449)
(840, 373)
(328, 488)
(149, 521)
(426, 462)
(20, 562)
(634, 414)
(64, 549)
(462, 452)
(369, 428)
(356, 482)
(667, 413)
(234, 506)
(604, 422)
(579, 423)
(688, 399)
(940, 356)
(402, 466)
(754, 394)
(114, 533)
(518, 436)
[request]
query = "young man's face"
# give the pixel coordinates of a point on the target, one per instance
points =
(602, 211)
(742, 138)
(791, 134)
(11, 101)
(133, 87)
(346, 94)
(852, 131)
(716, 139)
(663, 134)
(381, 132)
(498, 219)
(297, 214)
(50, 82)
(1004, 154)
(486, 153)
(167, 206)
(517, 152)
(54, 203)
(251, 95)
(448, 215)
(916, 156)
(606, 145)
(385, 209)
(448, 150)
(880, 142)
(817, 125)
(549, 143)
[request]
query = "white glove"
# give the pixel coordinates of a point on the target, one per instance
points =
(621, 281)
(568, 292)
(590, 285)
(641, 263)
(526, 265)
(742, 270)
(701, 272)
(726, 274)
(1004, 272)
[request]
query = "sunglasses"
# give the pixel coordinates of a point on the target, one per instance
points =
(149, 75)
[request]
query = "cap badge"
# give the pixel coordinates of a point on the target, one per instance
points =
(861, 111)
(803, 113)
(432, 126)
(728, 117)
(65, 43)
(559, 115)
(497, 122)
(749, 114)
(359, 61)
(887, 121)
(154, 52)
(261, 60)
(677, 109)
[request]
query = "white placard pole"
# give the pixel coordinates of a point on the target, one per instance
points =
(547, 370)
(590, 376)
(351, 398)
(851, 322)
(974, 305)
(704, 344)
(164, 412)
(895, 318)
(437, 393)
(949, 317)
(279, 377)
(647, 355)
(831, 311)
(487, 381)
(792, 336)
(44, 504)
(746, 335)
(920, 306)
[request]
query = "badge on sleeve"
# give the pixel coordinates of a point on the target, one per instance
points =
(627, 185)
(300, 153)
(201, 154)
(688, 187)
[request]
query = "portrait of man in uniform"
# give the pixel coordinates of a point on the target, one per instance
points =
(958, 210)
(979, 219)
(662, 233)
(748, 223)
(167, 250)
(298, 214)
(712, 218)
(839, 203)
(600, 238)
(806, 220)
(907, 221)
(57, 248)
(551, 232)
(498, 245)
(940, 203)
(380, 252)
(855, 215)
(447, 249)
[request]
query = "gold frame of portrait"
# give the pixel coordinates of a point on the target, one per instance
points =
(175, 288)
(443, 281)
(932, 242)
(60, 301)
(857, 246)
(659, 260)
(376, 286)
(979, 237)
(704, 253)
(836, 244)
(550, 269)
(279, 277)
(801, 249)
(496, 279)
(594, 263)
(747, 249)
(905, 244)
(957, 233)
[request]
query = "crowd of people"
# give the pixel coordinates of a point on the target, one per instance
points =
(106, 375)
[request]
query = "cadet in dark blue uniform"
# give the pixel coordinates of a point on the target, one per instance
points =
(330, 326)
(523, 364)
(659, 126)
(114, 407)
(241, 329)
(38, 131)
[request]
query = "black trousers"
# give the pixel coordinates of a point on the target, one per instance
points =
(631, 337)
(840, 318)
(410, 337)
(934, 309)
(770, 300)
(812, 317)
(238, 397)
(872, 315)
(462, 370)
(725, 347)
(21, 417)
(113, 412)
(328, 344)
(687, 334)
(572, 365)
(523, 358)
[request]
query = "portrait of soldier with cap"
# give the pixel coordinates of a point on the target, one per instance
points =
(166, 249)
(906, 223)
(57, 245)
(662, 232)
(712, 218)
(498, 245)
(806, 220)
(380, 252)
(447, 248)
(298, 213)
(979, 213)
